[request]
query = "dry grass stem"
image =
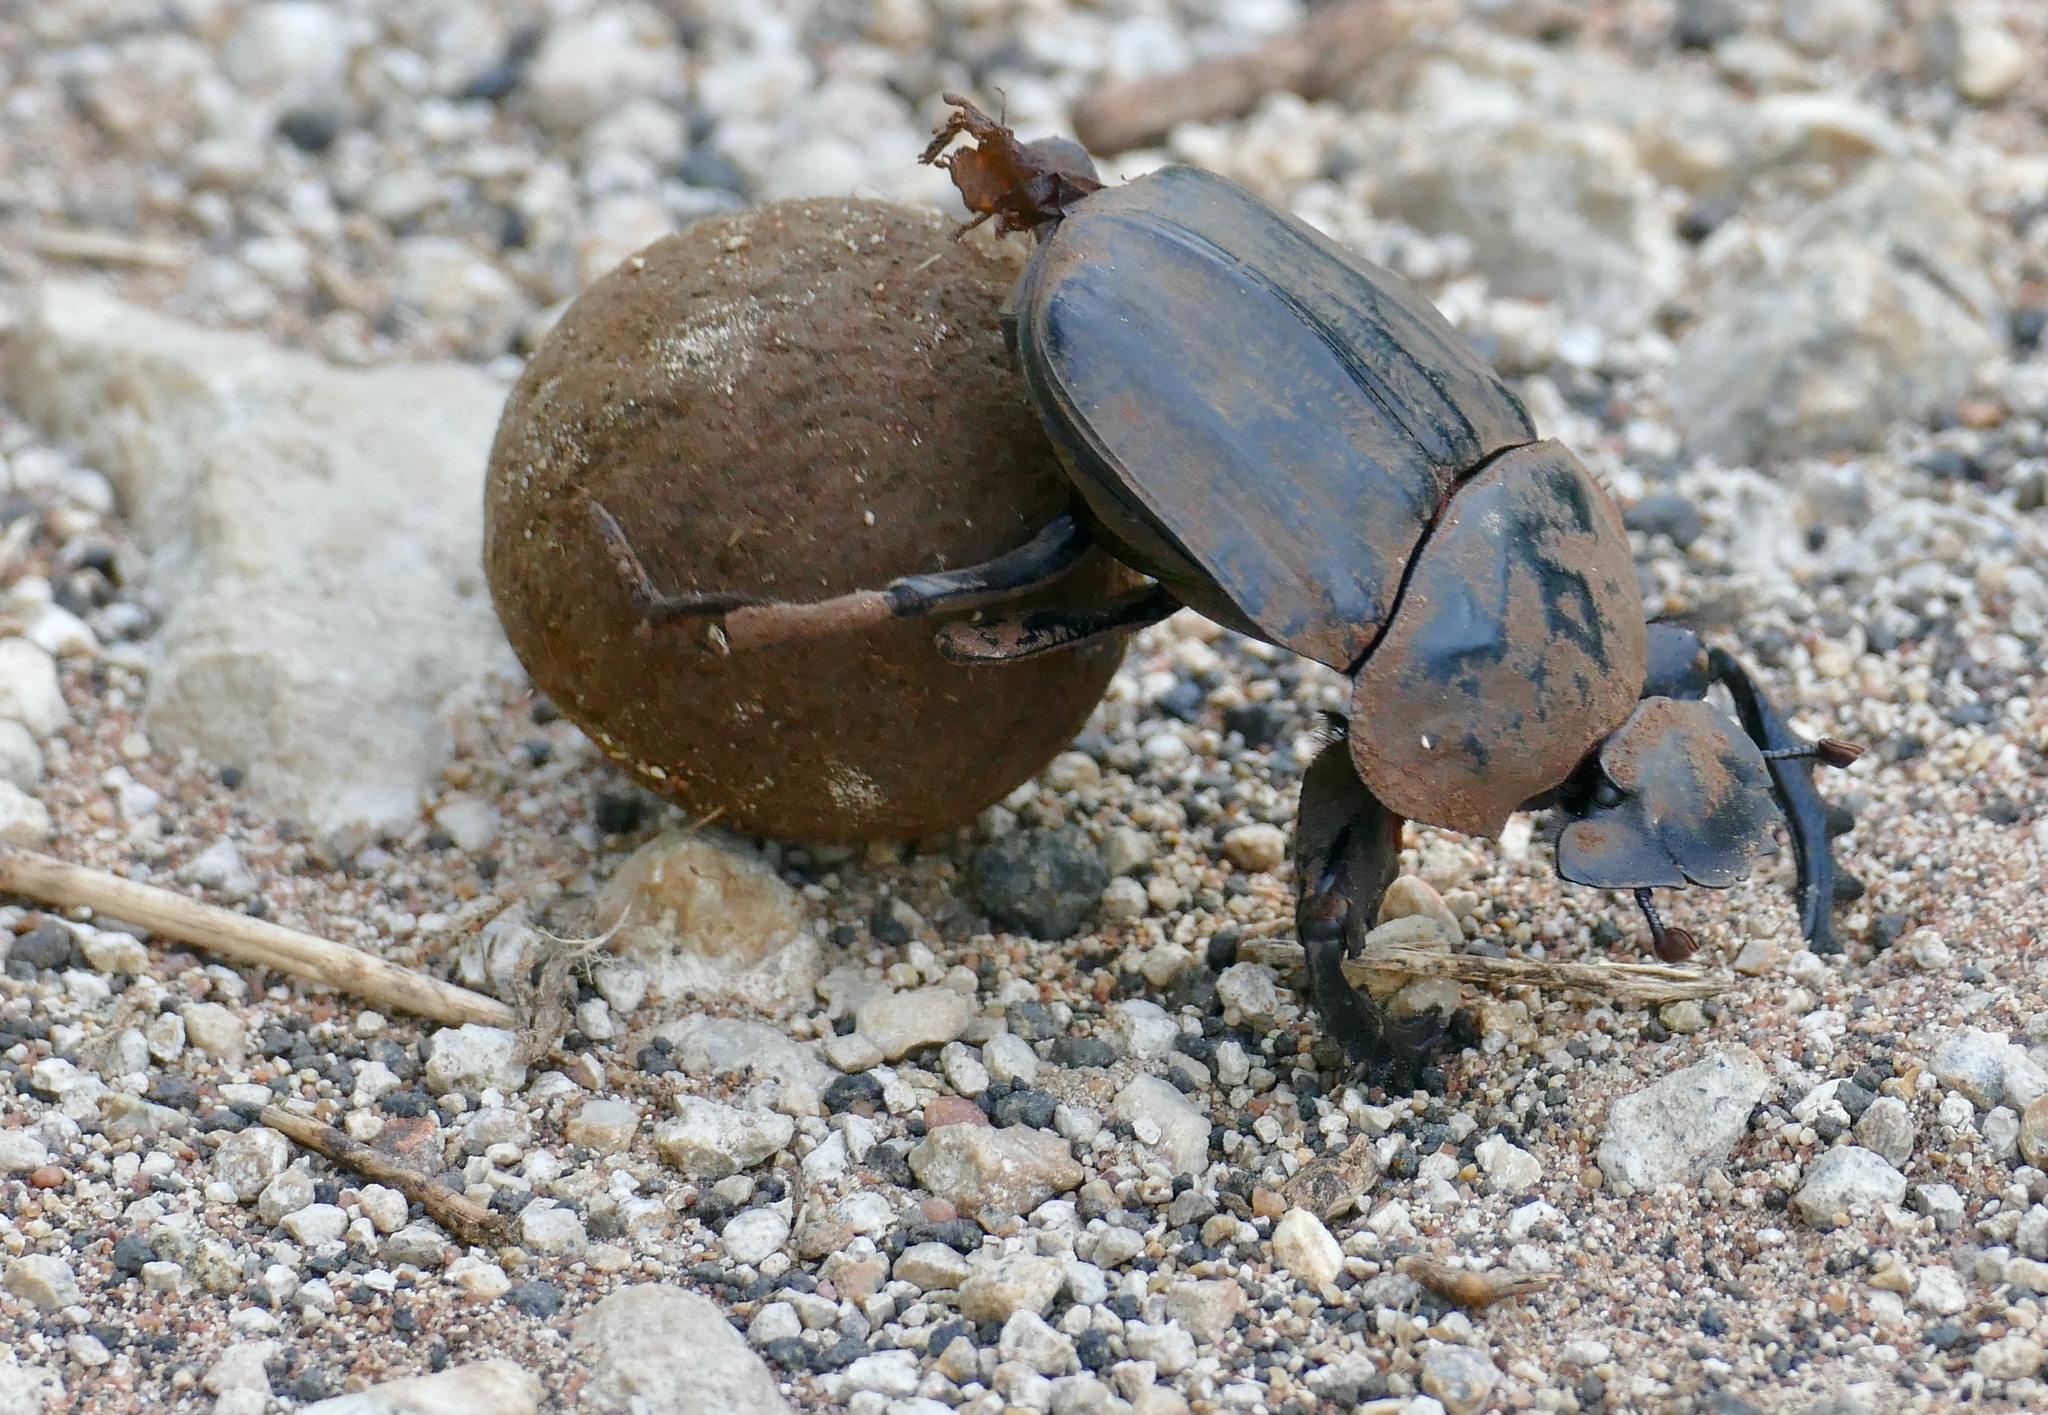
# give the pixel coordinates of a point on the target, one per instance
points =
(59, 884)
(105, 248)
(1639, 984)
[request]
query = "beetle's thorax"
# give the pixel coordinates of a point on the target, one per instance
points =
(1516, 646)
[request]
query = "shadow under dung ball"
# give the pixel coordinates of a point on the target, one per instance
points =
(794, 401)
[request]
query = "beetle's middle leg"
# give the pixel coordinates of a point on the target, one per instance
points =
(1347, 850)
(1012, 638)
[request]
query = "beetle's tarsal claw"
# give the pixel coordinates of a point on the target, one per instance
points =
(1832, 751)
(1673, 945)
(1828, 751)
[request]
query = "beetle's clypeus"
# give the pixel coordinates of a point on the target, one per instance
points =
(1295, 443)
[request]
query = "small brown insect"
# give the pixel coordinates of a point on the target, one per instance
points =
(1328, 1186)
(1022, 185)
(1473, 1287)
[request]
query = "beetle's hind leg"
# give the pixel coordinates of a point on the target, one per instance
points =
(748, 621)
(1791, 759)
(1347, 850)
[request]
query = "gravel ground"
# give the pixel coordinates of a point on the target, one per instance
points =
(1850, 1216)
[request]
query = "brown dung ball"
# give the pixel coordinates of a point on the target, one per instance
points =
(794, 401)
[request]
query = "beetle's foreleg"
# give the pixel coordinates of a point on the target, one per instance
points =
(1791, 758)
(1347, 850)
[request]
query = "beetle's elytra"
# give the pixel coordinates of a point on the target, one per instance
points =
(1295, 443)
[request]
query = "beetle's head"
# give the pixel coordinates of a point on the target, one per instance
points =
(1676, 795)
(1022, 185)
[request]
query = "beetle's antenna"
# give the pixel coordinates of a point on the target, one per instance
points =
(1828, 751)
(1673, 945)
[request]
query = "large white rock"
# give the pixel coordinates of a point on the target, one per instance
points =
(699, 913)
(595, 65)
(24, 820)
(1305, 1248)
(21, 756)
(484, 1388)
(28, 1390)
(1845, 1179)
(1678, 1128)
(288, 53)
(1166, 1122)
(669, 1352)
(1883, 312)
(709, 1140)
(1556, 209)
(315, 539)
(473, 1058)
(29, 693)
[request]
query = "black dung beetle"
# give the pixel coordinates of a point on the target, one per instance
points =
(1296, 444)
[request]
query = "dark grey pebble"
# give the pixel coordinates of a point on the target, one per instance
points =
(1033, 1021)
(1082, 1051)
(536, 1298)
(47, 945)
(1043, 882)
(845, 1092)
(1668, 513)
(1025, 1107)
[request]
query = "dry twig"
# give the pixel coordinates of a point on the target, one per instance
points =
(1639, 984)
(105, 248)
(469, 1221)
(1334, 47)
(60, 884)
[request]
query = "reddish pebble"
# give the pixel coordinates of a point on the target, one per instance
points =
(953, 1110)
(49, 1177)
(937, 1210)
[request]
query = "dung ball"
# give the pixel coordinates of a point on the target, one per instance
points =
(792, 402)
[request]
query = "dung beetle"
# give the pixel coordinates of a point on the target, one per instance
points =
(1296, 444)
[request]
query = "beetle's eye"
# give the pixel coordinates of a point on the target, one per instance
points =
(1607, 793)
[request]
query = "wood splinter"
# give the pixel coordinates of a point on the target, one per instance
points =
(61, 885)
(1337, 45)
(467, 1220)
